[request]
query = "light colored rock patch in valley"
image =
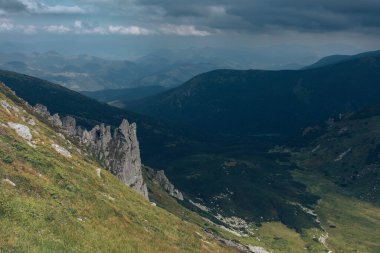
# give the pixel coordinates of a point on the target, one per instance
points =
(342, 155)
(200, 206)
(234, 222)
(316, 148)
(323, 240)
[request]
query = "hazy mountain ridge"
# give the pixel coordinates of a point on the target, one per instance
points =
(168, 68)
(77, 72)
(334, 59)
(247, 103)
(85, 72)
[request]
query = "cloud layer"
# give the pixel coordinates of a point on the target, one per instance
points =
(254, 16)
(80, 27)
(38, 7)
(204, 17)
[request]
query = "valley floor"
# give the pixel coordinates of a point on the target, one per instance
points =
(352, 225)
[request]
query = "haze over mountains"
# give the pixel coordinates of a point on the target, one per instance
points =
(230, 141)
(167, 126)
(167, 68)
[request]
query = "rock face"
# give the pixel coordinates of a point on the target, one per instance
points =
(70, 126)
(42, 110)
(55, 120)
(116, 150)
(119, 152)
(161, 180)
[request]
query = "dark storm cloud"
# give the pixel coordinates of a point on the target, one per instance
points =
(261, 15)
(12, 6)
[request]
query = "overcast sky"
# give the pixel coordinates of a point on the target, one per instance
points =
(123, 28)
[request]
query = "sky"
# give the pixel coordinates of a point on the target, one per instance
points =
(128, 28)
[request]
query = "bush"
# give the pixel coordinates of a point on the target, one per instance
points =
(8, 159)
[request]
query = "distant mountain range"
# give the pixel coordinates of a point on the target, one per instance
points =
(333, 59)
(85, 72)
(167, 68)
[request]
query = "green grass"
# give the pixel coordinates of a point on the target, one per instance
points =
(60, 205)
(349, 208)
(353, 225)
(254, 185)
(357, 173)
(273, 236)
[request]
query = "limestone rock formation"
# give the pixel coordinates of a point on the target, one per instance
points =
(70, 126)
(119, 151)
(42, 110)
(55, 120)
(161, 180)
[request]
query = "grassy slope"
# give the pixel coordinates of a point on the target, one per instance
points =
(349, 187)
(357, 171)
(353, 225)
(60, 205)
(273, 236)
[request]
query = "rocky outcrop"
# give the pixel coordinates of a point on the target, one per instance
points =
(161, 180)
(42, 110)
(55, 120)
(70, 126)
(22, 130)
(116, 150)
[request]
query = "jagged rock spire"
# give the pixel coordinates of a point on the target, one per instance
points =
(118, 152)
